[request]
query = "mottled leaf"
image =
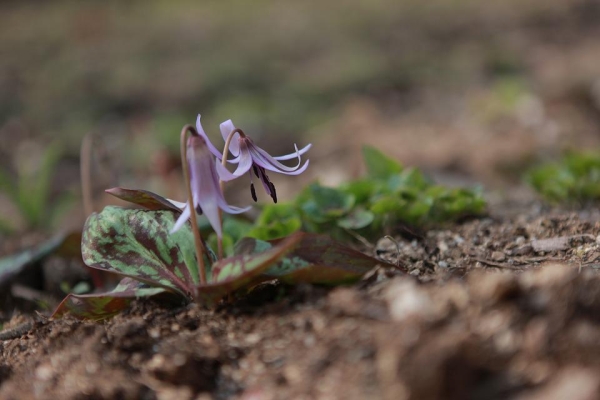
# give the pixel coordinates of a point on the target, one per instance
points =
(316, 259)
(238, 271)
(144, 198)
(104, 305)
(64, 244)
(137, 243)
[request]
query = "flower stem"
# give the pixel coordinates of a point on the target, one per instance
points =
(200, 250)
(222, 184)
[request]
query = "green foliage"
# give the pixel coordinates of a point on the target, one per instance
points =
(30, 191)
(276, 220)
(574, 178)
(379, 166)
(388, 196)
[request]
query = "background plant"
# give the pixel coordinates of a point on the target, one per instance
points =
(30, 190)
(388, 196)
(572, 179)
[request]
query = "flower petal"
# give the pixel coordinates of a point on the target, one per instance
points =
(265, 160)
(245, 160)
(211, 147)
(177, 204)
(185, 215)
(226, 128)
(295, 154)
(224, 173)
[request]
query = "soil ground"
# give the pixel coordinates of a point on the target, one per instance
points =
(506, 306)
(494, 308)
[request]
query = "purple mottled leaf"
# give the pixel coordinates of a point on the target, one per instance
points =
(144, 198)
(241, 270)
(316, 259)
(137, 243)
(104, 305)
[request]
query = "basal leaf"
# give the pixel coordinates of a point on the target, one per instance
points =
(137, 243)
(103, 305)
(144, 198)
(238, 271)
(316, 259)
(379, 166)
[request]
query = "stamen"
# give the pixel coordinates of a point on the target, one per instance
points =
(255, 171)
(273, 192)
(253, 192)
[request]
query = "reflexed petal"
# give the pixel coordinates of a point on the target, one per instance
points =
(177, 204)
(263, 159)
(226, 128)
(245, 162)
(211, 147)
(232, 209)
(295, 154)
(224, 173)
(185, 215)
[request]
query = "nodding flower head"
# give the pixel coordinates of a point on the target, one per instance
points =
(204, 181)
(248, 156)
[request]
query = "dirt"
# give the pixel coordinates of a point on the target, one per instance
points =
(484, 313)
(506, 306)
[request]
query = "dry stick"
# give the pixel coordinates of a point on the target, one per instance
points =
(222, 184)
(85, 173)
(200, 250)
(85, 168)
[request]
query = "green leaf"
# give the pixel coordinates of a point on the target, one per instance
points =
(99, 306)
(356, 219)
(144, 198)
(409, 179)
(322, 204)
(33, 186)
(316, 259)
(362, 189)
(379, 166)
(67, 245)
(575, 178)
(233, 273)
(275, 221)
(388, 205)
(137, 244)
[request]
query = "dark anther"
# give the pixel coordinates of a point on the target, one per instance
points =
(198, 209)
(273, 192)
(253, 192)
(255, 171)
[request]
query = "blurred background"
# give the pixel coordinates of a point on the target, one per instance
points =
(471, 91)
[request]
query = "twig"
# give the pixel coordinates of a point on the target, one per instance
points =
(16, 332)
(497, 264)
(85, 168)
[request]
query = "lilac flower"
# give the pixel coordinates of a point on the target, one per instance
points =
(206, 190)
(249, 156)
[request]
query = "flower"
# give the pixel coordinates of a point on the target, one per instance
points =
(249, 156)
(206, 190)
